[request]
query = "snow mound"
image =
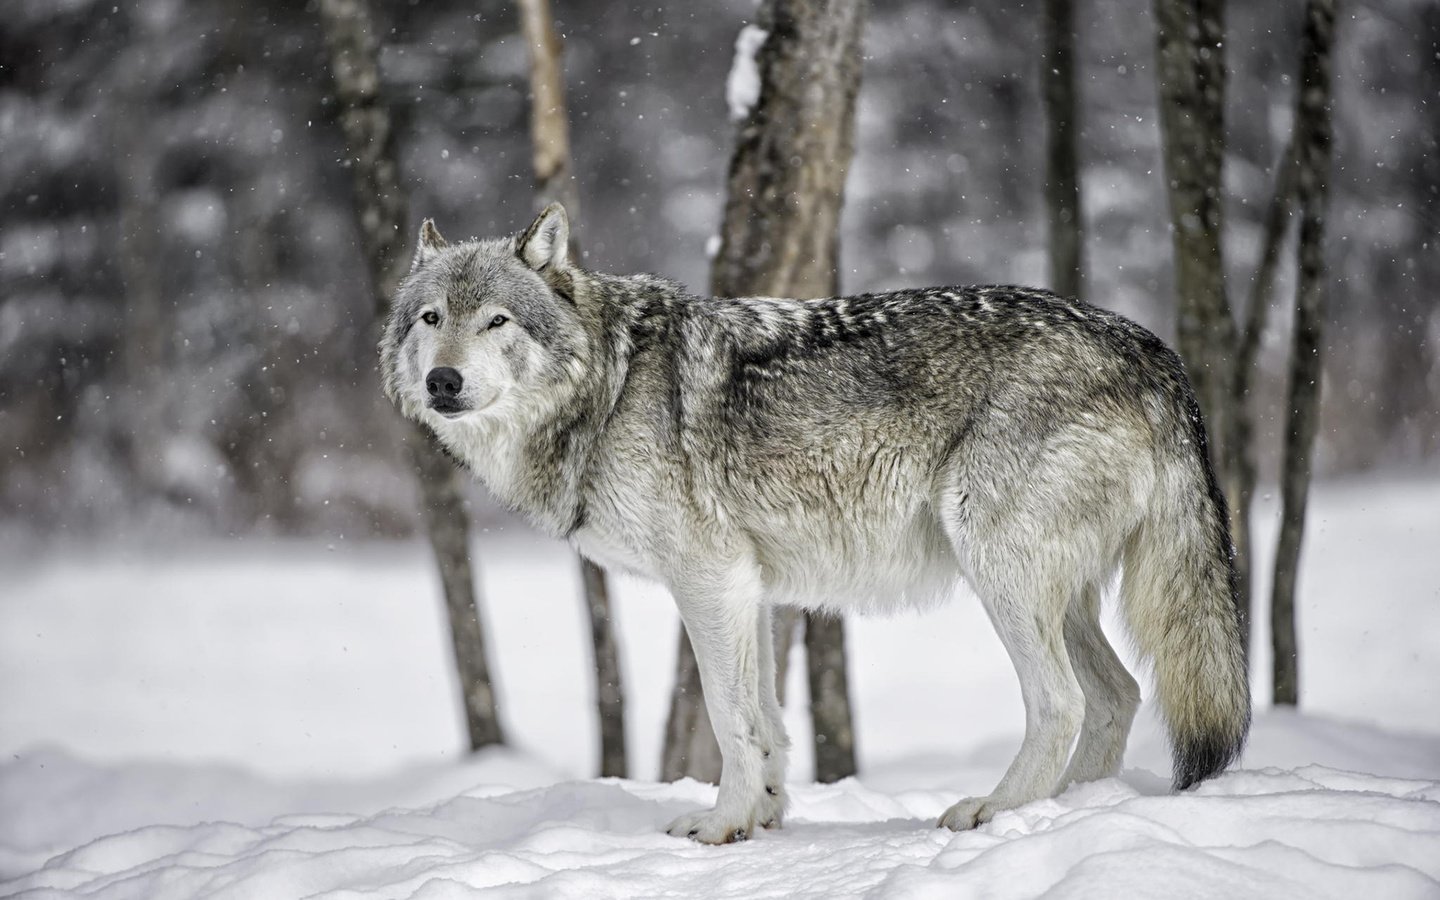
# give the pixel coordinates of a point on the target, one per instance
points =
(271, 721)
(1311, 832)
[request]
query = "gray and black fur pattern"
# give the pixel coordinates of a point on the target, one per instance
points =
(850, 453)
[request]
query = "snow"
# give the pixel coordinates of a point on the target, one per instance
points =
(272, 720)
(742, 85)
(1309, 832)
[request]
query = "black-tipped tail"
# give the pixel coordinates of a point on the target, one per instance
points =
(1207, 755)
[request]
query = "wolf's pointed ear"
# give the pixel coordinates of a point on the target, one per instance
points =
(429, 243)
(546, 243)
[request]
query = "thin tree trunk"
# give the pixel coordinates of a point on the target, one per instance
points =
(830, 697)
(447, 525)
(609, 688)
(143, 350)
(550, 137)
(785, 621)
(380, 214)
(1242, 460)
(690, 748)
(1062, 175)
(1313, 131)
(549, 126)
(780, 238)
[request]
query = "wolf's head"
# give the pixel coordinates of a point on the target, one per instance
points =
(482, 332)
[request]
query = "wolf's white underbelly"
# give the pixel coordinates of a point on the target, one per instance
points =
(845, 569)
(804, 557)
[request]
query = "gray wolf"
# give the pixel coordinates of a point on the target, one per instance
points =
(844, 454)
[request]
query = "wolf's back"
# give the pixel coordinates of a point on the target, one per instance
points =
(1179, 598)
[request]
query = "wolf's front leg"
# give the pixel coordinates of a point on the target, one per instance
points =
(722, 613)
(774, 743)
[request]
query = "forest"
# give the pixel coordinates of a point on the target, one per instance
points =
(188, 345)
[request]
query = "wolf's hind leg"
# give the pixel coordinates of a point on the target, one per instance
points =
(1111, 694)
(721, 611)
(1027, 612)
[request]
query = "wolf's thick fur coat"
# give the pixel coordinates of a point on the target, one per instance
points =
(850, 453)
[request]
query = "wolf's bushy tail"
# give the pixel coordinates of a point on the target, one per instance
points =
(1178, 597)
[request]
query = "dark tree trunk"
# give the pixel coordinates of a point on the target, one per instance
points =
(1192, 85)
(1062, 167)
(690, 749)
(780, 238)
(609, 688)
(830, 697)
(444, 507)
(1190, 63)
(550, 136)
(143, 350)
(787, 177)
(1242, 460)
(381, 217)
(1312, 130)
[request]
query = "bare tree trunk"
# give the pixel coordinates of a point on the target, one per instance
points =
(1192, 86)
(380, 214)
(447, 525)
(780, 238)
(830, 697)
(1191, 71)
(1313, 131)
(785, 622)
(609, 688)
(1062, 167)
(690, 748)
(550, 135)
(143, 349)
(1242, 460)
(787, 177)
(549, 126)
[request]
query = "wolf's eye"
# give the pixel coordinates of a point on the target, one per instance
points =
(498, 321)
(430, 317)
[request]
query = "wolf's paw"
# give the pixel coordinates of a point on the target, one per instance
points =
(770, 811)
(710, 827)
(968, 813)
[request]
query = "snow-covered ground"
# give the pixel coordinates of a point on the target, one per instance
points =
(278, 720)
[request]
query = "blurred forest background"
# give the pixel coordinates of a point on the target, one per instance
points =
(186, 339)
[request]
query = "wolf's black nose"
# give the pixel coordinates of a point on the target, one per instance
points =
(444, 382)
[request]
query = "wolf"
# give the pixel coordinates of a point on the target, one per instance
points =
(857, 453)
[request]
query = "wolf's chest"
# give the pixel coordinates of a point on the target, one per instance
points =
(613, 554)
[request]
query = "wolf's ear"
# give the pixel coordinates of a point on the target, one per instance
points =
(429, 243)
(546, 243)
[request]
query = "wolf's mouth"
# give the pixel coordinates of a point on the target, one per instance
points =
(450, 409)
